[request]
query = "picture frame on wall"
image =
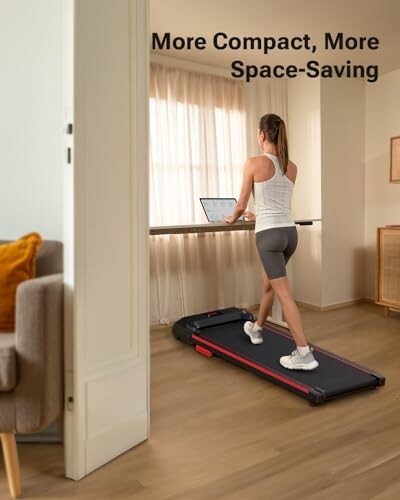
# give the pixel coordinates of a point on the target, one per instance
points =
(395, 159)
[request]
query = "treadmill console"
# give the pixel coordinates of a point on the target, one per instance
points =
(194, 324)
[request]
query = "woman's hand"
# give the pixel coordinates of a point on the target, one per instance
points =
(250, 216)
(230, 220)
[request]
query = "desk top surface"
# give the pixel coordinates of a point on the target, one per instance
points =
(213, 227)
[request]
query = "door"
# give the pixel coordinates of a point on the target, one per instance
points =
(106, 243)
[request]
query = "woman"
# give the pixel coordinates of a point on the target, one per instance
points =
(271, 178)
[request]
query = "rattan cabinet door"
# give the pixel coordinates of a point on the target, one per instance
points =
(388, 267)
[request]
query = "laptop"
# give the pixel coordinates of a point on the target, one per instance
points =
(218, 208)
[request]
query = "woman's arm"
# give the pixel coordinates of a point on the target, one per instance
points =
(245, 192)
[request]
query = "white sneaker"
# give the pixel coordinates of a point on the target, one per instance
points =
(254, 332)
(297, 362)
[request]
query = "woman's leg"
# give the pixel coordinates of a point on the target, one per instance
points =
(284, 293)
(254, 330)
(266, 302)
(275, 247)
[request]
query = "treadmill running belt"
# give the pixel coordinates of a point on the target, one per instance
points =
(332, 375)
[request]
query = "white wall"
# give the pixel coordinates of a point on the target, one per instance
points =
(31, 123)
(327, 141)
(304, 135)
(343, 180)
(382, 197)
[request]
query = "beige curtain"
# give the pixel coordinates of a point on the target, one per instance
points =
(198, 145)
(197, 142)
(200, 272)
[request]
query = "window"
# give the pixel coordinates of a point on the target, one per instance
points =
(197, 143)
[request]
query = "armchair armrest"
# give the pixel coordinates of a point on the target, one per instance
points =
(39, 348)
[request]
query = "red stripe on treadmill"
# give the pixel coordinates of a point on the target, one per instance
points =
(327, 353)
(251, 363)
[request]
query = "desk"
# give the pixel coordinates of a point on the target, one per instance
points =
(213, 227)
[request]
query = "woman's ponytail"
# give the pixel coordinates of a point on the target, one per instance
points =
(275, 129)
(282, 146)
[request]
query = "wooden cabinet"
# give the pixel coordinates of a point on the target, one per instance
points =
(388, 268)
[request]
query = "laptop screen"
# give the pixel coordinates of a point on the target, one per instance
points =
(218, 208)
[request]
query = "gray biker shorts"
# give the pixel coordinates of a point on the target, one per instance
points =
(275, 246)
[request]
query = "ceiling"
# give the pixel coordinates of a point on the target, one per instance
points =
(380, 18)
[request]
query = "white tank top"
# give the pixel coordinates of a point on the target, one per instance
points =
(273, 199)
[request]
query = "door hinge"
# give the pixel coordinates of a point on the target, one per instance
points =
(70, 403)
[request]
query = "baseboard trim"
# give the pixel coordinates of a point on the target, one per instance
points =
(308, 305)
(369, 300)
(315, 307)
(331, 307)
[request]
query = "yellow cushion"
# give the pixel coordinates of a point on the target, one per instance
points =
(17, 264)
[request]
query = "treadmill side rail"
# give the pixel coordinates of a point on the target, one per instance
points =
(317, 396)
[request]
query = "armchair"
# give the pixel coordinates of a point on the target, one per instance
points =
(31, 359)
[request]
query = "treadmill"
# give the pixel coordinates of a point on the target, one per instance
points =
(220, 333)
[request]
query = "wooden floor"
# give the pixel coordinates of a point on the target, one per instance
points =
(219, 432)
